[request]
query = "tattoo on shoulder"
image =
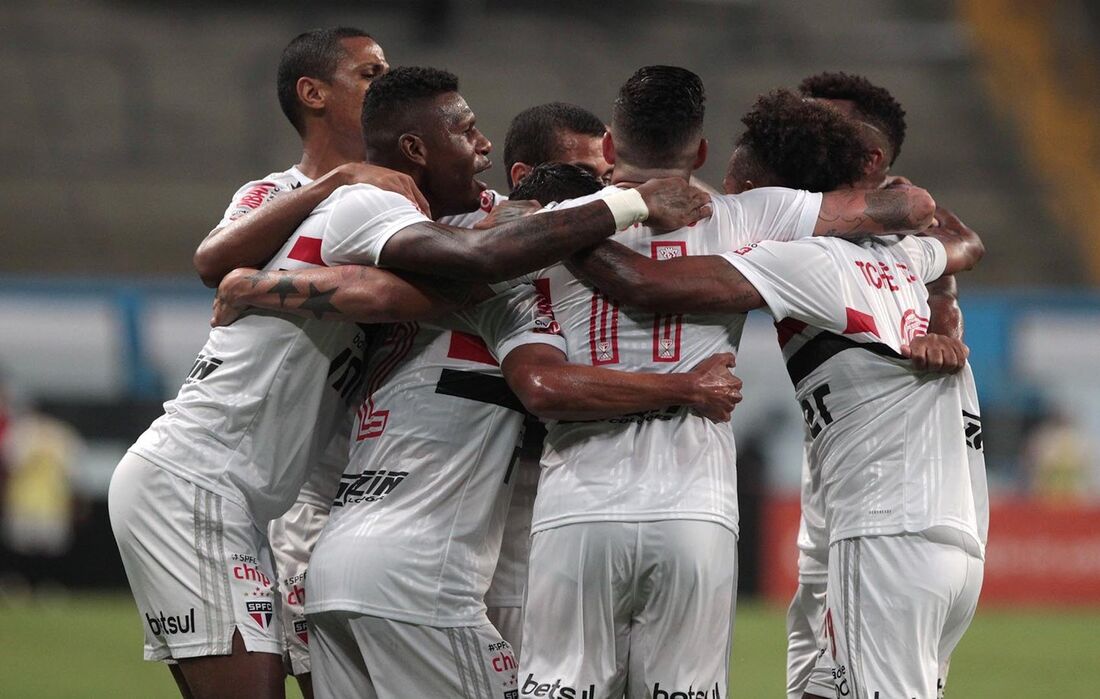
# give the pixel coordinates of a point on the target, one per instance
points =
(888, 208)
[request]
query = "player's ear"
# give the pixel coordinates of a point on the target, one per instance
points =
(311, 92)
(700, 155)
(518, 172)
(876, 161)
(413, 148)
(608, 145)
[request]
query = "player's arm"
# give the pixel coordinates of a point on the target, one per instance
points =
(523, 245)
(963, 246)
(348, 293)
(253, 238)
(553, 389)
(854, 213)
(692, 284)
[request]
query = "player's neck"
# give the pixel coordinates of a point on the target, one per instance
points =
(627, 174)
(321, 152)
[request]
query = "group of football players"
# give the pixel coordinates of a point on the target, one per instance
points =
(435, 426)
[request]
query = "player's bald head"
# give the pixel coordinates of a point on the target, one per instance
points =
(657, 121)
(405, 100)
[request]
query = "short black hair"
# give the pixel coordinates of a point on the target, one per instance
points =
(875, 104)
(387, 105)
(533, 134)
(549, 182)
(658, 112)
(312, 54)
(805, 144)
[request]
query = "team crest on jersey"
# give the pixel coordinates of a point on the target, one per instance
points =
(301, 630)
(912, 326)
(260, 611)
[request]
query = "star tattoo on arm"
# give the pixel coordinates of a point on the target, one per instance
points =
(319, 302)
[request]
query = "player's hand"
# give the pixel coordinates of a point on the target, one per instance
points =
(717, 389)
(384, 178)
(227, 304)
(936, 353)
(508, 211)
(673, 203)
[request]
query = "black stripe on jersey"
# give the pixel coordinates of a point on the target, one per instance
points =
(825, 346)
(473, 385)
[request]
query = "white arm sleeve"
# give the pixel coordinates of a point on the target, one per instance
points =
(773, 213)
(362, 221)
(797, 280)
(515, 318)
(927, 256)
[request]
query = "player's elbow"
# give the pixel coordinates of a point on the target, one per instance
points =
(541, 396)
(922, 208)
(206, 266)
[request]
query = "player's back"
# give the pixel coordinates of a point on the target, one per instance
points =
(665, 464)
(889, 450)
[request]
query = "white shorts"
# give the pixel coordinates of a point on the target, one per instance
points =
(292, 538)
(897, 607)
(197, 565)
(375, 658)
(641, 607)
(809, 667)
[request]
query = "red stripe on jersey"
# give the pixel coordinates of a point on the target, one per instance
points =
(788, 328)
(307, 249)
(860, 322)
(603, 342)
(665, 347)
(471, 348)
(372, 422)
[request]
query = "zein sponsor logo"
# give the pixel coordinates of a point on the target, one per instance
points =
(533, 688)
(204, 366)
(169, 625)
(368, 486)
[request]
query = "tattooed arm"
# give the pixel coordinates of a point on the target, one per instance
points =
(857, 212)
(348, 293)
(508, 250)
(255, 237)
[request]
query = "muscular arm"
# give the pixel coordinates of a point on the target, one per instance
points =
(552, 388)
(510, 249)
(964, 247)
(692, 284)
(348, 293)
(253, 238)
(857, 212)
(943, 300)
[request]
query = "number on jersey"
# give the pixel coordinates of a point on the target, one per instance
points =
(817, 415)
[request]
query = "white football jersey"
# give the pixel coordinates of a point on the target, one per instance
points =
(889, 443)
(252, 195)
(669, 463)
(267, 394)
(416, 526)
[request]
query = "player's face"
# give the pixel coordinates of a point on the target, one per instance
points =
(362, 62)
(584, 151)
(457, 152)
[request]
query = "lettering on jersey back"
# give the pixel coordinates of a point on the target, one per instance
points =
(972, 426)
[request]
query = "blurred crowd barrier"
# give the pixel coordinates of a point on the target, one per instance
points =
(92, 361)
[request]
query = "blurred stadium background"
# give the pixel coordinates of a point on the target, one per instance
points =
(129, 125)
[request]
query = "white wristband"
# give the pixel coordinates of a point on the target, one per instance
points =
(628, 208)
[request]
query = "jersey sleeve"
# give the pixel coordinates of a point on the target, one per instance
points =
(797, 280)
(927, 256)
(521, 316)
(252, 196)
(362, 222)
(772, 213)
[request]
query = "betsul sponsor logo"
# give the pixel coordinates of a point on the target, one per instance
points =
(691, 693)
(169, 625)
(534, 688)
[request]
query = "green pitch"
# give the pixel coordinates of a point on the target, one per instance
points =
(82, 646)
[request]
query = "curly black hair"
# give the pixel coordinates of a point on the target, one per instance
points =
(533, 135)
(312, 54)
(549, 182)
(805, 144)
(386, 106)
(659, 110)
(875, 104)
